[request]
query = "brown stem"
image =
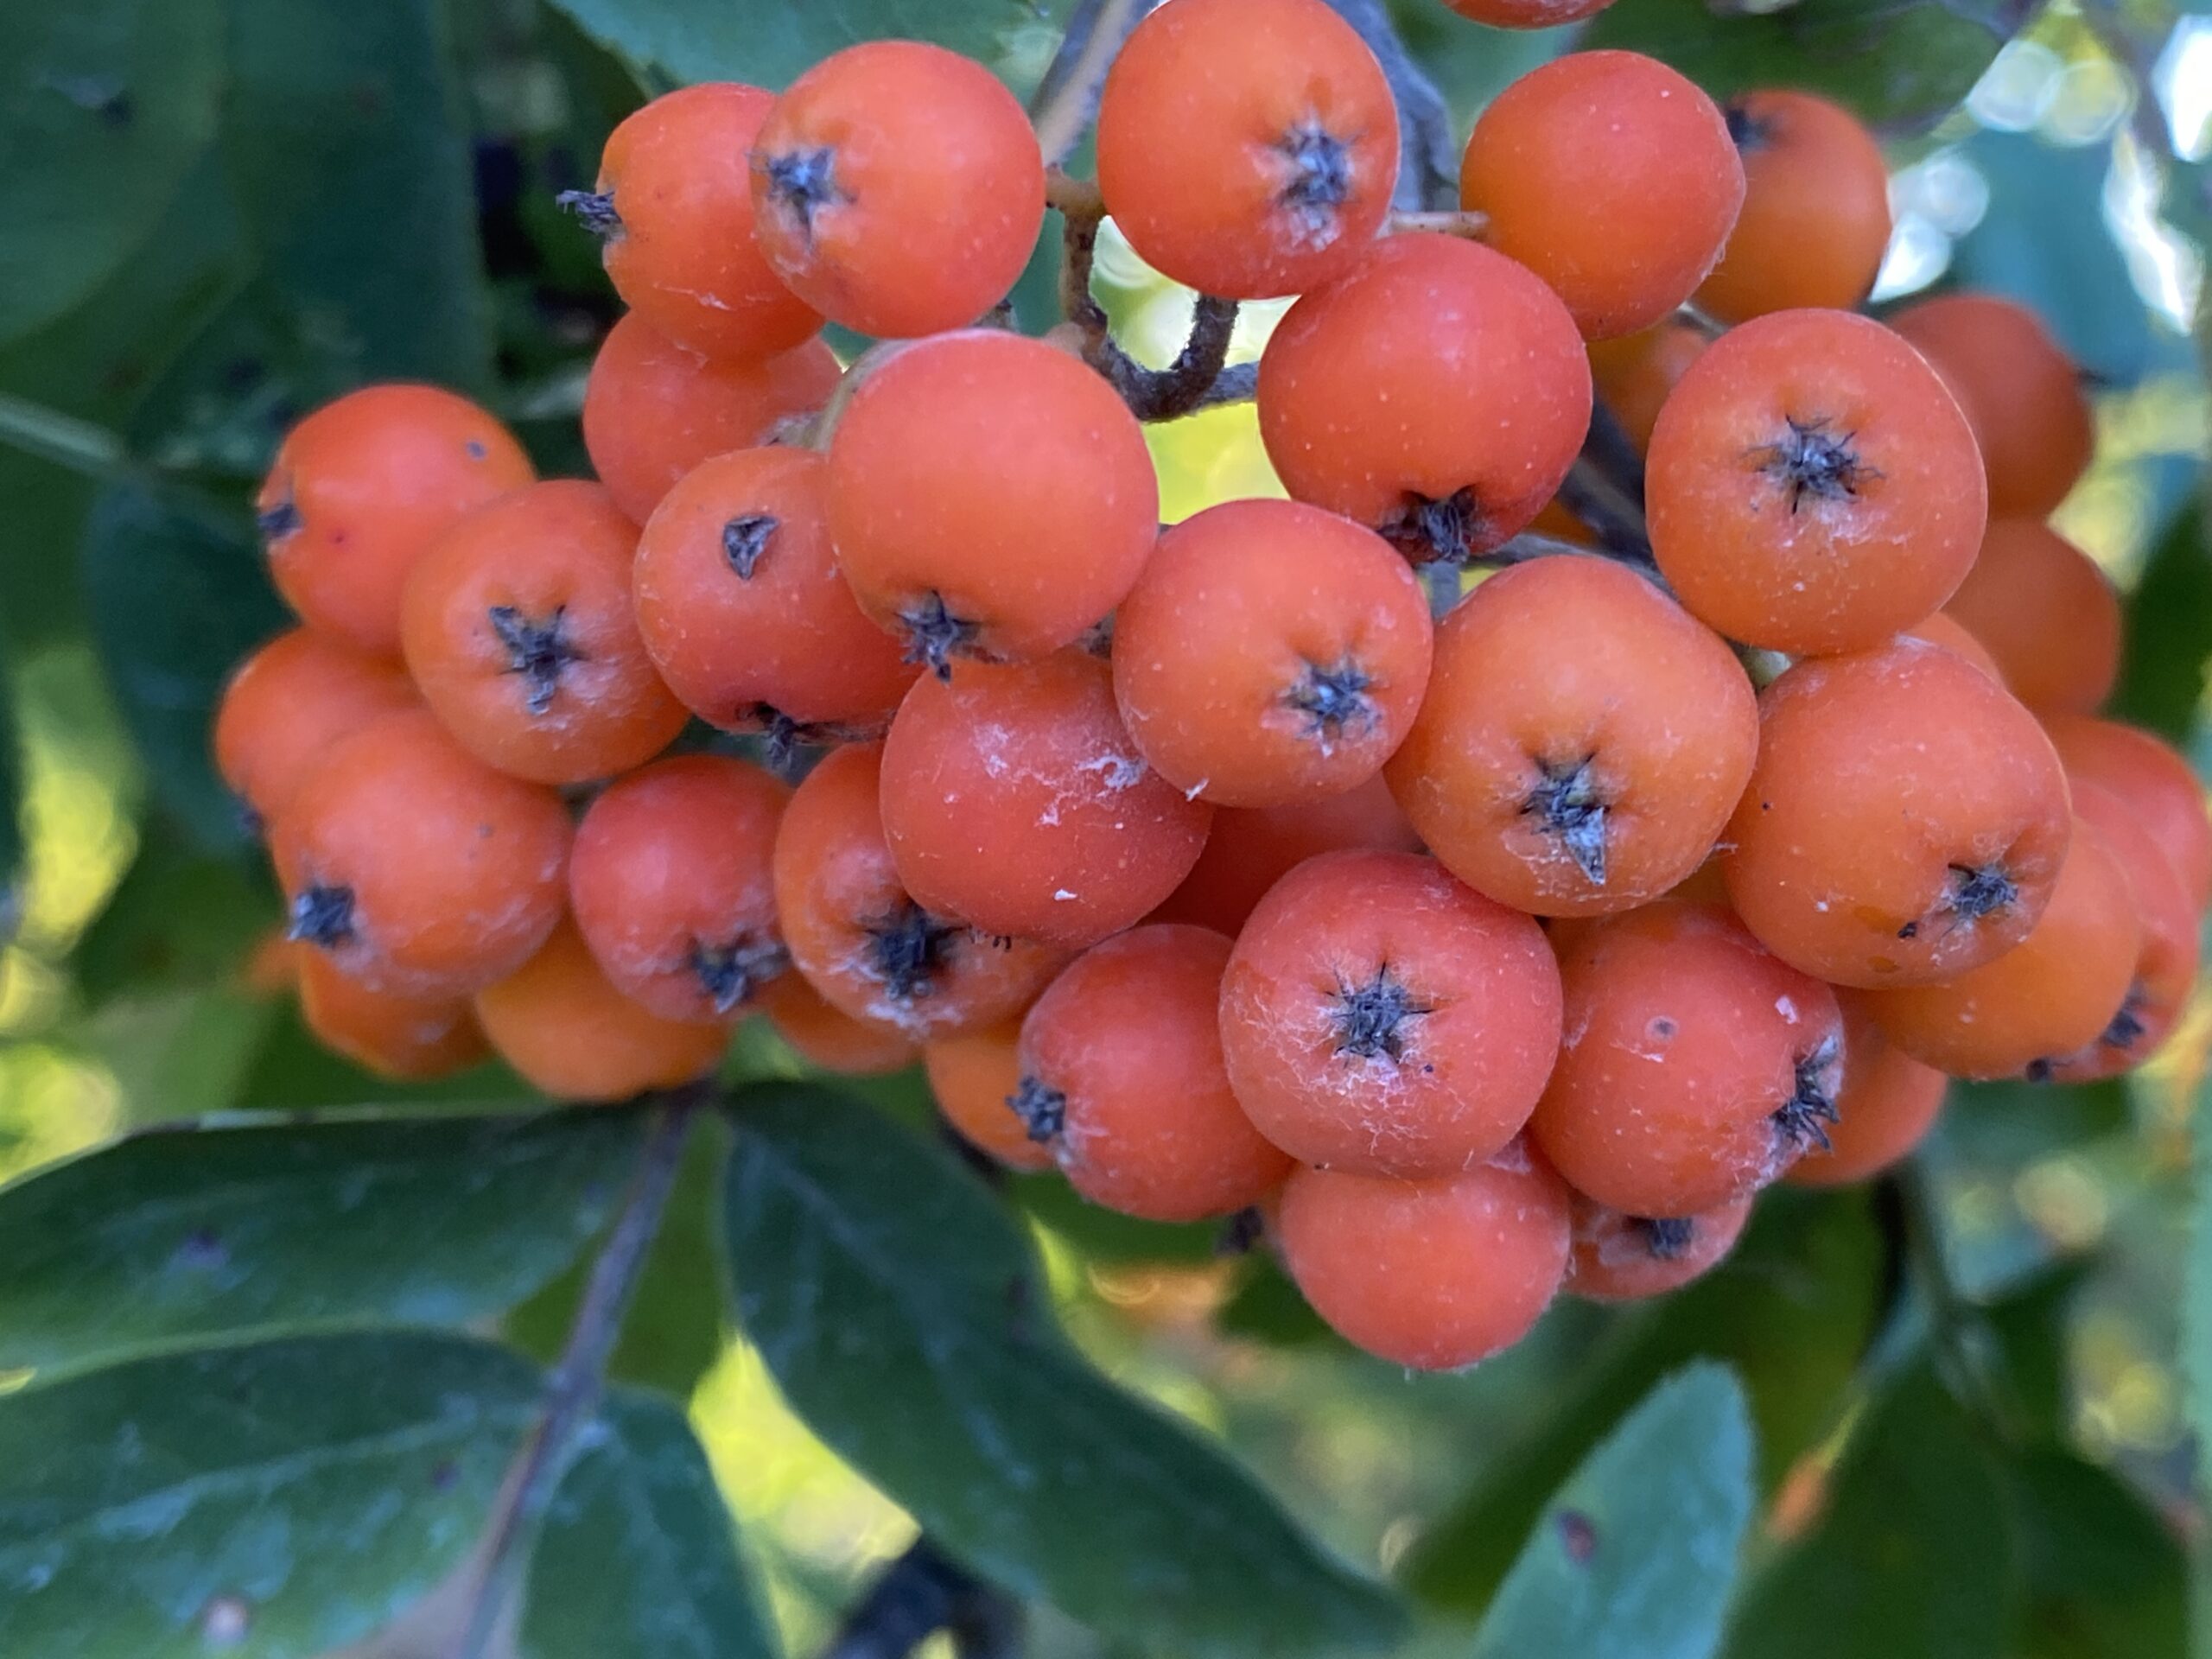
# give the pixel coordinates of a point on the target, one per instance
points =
(1198, 379)
(1067, 98)
(579, 1377)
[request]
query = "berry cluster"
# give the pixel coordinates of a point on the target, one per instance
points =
(1713, 823)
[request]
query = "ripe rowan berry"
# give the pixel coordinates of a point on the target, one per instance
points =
(1618, 1258)
(975, 1079)
(1248, 147)
(2047, 615)
(1013, 799)
(862, 940)
(520, 635)
(1815, 220)
(1528, 14)
(829, 1038)
(1811, 486)
(1379, 1016)
(1121, 1076)
(1888, 1103)
(1436, 392)
(406, 1039)
(897, 189)
(741, 606)
(1582, 743)
(2054, 992)
(1948, 633)
(360, 488)
(1248, 850)
(1635, 374)
(1695, 1069)
(672, 885)
(285, 706)
(654, 409)
(415, 868)
(990, 497)
(2020, 391)
(2166, 964)
(675, 206)
(1612, 177)
(559, 1022)
(1271, 653)
(2158, 784)
(1433, 1275)
(1906, 823)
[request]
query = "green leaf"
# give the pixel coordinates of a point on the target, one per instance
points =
(177, 599)
(769, 42)
(638, 1559)
(1790, 1310)
(907, 1321)
(1901, 64)
(1914, 1558)
(2168, 633)
(210, 1233)
(106, 105)
(267, 1502)
(2106, 1578)
(1634, 1555)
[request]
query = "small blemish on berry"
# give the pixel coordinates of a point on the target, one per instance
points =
(1813, 461)
(1370, 1018)
(802, 183)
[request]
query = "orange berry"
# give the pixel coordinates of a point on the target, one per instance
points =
(1621, 1258)
(407, 1039)
(1528, 14)
(829, 1038)
(1013, 799)
(1889, 1102)
(672, 885)
(1248, 850)
(975, 1079)
(1905, 824)
(360, 488)
(1433, 1275)
(559, 1022)
(2166, 965)
(2159, 787)
(1612, 177)
(415, 868)
(1436, 392)
(675, 204)
(1248, 147)
(654, 409)
(1947, 630)
(1812, 487)
(862, 939)
(520, 634)
(898, 188)
(1380, 1017)
(1635, 374)
(741, 606)
(2052, 993)
(1696, 1067)
(2019, 390)
(1815, 221)
(285, 706)
(990, 497)
(1271, 653)
(1582, 743)
(1122, 1076)
(2049, 617)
